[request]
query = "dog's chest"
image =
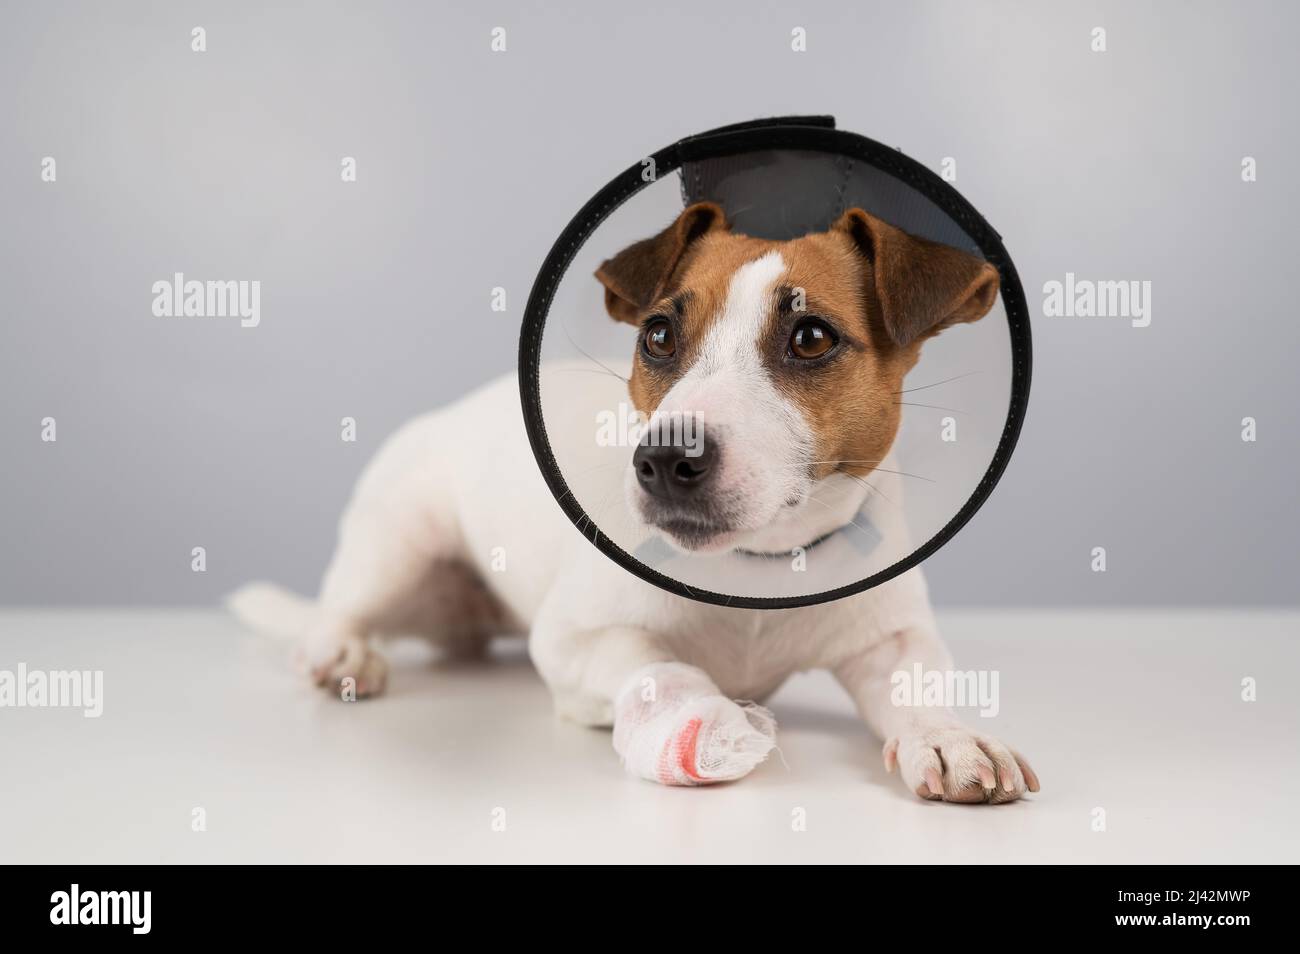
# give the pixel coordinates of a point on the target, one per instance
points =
(749, 653)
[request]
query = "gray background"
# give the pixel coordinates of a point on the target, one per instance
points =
(375, 294)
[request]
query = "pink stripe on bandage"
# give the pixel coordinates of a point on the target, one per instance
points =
(677, 758)
(661, 734)
(686, 741)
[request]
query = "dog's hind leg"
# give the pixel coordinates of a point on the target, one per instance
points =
(400, 567)
(455, 611)
(376, 583)
(399, 564)
(396, 572)
(370, 584)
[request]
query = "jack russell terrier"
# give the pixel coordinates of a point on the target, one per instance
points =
(798, 403)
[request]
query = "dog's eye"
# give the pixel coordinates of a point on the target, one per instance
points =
(659, 340)
(811, 338)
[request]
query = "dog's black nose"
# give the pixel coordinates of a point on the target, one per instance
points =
(670, 467)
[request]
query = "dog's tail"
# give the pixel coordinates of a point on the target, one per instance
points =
(272, 609)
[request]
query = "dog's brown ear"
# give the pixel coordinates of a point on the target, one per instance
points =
(923, 286)
(638, 275)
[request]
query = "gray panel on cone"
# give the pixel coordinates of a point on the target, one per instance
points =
(812, 190)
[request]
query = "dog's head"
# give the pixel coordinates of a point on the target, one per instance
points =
(769, 367)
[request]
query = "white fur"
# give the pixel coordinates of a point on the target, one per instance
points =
(453, 493)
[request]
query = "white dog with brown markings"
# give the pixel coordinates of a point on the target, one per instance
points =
(799, 403)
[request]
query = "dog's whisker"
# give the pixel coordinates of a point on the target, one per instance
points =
(591, 518)
(589, 470)
(903, 473)
(881, 470)
(937, 383)
(589, 356)
(846, 461)
(612, 463)
(852, 521)
(589, 521)
(801, 518)
(600, 370)
(614, 494)
(936, 407)
(870, 486)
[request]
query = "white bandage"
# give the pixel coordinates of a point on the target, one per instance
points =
(671, 725)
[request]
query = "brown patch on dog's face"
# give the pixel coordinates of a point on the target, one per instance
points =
(849, 394)
(687, 308)
(878, 293)
(794, 353)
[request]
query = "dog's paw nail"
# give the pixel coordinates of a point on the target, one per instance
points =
(958, 765)
(1031, 779)
(353, 671)
(890, 755)
(934, 782)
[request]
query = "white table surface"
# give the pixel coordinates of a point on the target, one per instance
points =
(1138, 713)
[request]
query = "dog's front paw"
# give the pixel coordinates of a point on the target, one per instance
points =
(957, 765)
(705, 740)
(332, 659)
(684, 733)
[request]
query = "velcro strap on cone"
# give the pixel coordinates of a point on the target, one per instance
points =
(783, 193)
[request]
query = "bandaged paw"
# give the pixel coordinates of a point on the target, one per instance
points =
(672, 726)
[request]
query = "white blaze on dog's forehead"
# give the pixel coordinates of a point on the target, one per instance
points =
(736, 331)
(765, 441)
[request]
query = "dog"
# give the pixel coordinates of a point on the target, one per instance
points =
(798, 400)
